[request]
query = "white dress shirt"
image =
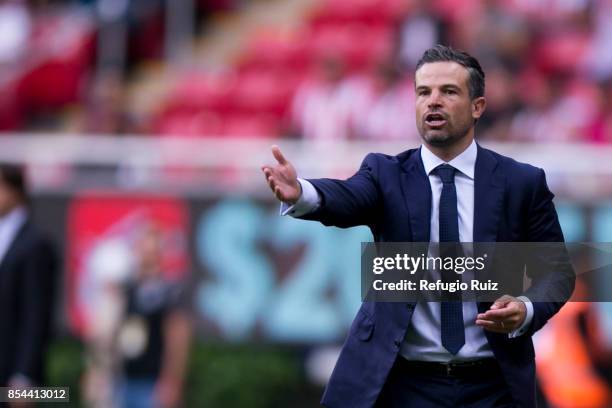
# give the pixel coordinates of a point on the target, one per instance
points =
(9, 226)
(423, 339)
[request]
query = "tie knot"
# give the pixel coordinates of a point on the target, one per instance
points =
(446, 172)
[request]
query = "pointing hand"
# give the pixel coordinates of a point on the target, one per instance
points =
(282, 178)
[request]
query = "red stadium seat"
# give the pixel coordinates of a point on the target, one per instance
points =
(197, 92)
(371, 12)
(274, 49)
(264, 92)
(205, 124)
(62, 52)
(11, 114)
(251, 126)
(358, 45)
(561, 53)
(52, 84)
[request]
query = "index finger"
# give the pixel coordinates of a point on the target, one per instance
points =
(276, 152)
(498, 314)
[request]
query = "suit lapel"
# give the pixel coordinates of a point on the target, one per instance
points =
(417, 196)
(489, 187)
(488, 197)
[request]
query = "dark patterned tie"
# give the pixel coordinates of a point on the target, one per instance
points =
(451, 312)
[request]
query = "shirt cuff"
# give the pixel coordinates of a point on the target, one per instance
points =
(307, 203)
(523, 328)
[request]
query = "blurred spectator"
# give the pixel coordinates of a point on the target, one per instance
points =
(598, 59)
(15, 29)
(568, 375)
(420, 30)
(502, 104)
(113, 34)
(495, 33)
(551, 113)
(99, 381)
(138, 341)
(28, 266)
(386, 114)
(105, 111)
(130, 31)
(154, 336)
(549, 11)
(597, 328)
(321, 108)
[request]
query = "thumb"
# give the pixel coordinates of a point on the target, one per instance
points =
(276, 152)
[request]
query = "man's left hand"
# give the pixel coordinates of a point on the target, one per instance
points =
(505, 315)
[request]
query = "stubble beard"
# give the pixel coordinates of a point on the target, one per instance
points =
(445, 137)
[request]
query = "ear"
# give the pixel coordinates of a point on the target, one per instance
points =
(478, 107)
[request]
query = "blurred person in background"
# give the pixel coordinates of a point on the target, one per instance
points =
(598, 58)
(321, 108)
(105, 111)
(388, 96)
(130, 31)
(28, 267)
(551, 113)
(15, 29)
(495, 31)
(574, 358)
(421, 29)
(154, 335)
(502, 104)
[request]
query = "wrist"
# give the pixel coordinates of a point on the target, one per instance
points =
(298, 187)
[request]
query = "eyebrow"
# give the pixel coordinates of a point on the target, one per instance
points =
(444, 86)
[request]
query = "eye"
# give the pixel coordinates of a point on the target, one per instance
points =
(422, 92)
(450, 92)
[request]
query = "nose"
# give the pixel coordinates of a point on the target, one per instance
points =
(434, 100)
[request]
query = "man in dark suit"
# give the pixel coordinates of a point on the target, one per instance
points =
(27, 273)
(438, 354)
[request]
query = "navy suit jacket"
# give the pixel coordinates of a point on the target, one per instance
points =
(27, 281)
(392, 195)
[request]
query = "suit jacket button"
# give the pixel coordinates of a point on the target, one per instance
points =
(397, 343)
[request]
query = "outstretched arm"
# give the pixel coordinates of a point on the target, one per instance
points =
(340, 203)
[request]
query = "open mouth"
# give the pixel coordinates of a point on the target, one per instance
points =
(435, 120)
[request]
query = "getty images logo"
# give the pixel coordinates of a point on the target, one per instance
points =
(411, 264)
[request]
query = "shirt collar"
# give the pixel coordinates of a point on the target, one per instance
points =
(465, 162)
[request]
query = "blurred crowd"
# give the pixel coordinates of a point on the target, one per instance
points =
(344, 73)
(347, 72)
(65, 59)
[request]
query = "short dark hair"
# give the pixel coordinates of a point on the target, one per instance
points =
(12, 175)
(441, 53)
